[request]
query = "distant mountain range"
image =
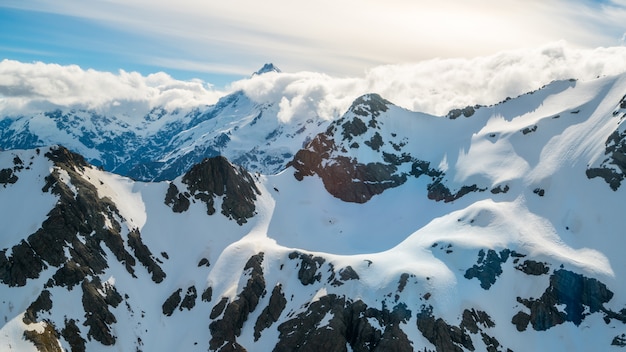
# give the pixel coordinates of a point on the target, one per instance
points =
(223, 228)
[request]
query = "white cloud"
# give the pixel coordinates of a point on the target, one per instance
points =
(31, 86)
(433, 86)
(439, 85)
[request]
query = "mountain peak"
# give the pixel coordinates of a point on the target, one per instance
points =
(268, 67)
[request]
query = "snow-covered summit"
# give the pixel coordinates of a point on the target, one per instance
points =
(268, 67)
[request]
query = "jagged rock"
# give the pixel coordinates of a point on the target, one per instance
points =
(348, 273)
(172, 302)
(438, 191)
(619, 341)
(271, 313)
(531, 267)
(236, 313)
(204, 262)
(71, 334)
(528, 130)
(97, 314)
(348, 325)
(445, 337)
(217, 177)
(189, 301)
(488, 268)
(41, 304)
(466, 111)
(7, 176)
(46, 341)
(613, 168)
(580, 295)
(307, 274)
(207, 295)
(144, 256)
(176, 200)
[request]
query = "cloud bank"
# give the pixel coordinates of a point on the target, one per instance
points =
(433, 86)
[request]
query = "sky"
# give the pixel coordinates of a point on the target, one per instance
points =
(219, 42)
(428, 56)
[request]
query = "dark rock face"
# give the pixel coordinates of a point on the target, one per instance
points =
(7, 176)
(613, 168)
(177, 201)
(47, 341)
(466, 111)
(348, 325)
(445, 337)
(42, 303)
(488, 267)
(309, 266)
(531, 267)
(172, 302)
(216, 177)
(72, 241)
(581, 296)
(71, 334)
(97, 314)
(326, 155)
(143, 254)
(224, 331)
(271, 313)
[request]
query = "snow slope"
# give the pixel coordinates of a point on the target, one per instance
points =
(479, 232)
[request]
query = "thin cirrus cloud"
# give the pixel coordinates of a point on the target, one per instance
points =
(342, 38)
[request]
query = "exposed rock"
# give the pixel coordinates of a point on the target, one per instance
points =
(500, 189)
(488, 268)
(438, 191)
(7, 176)
(348, 324)
(144, 256)
(307, 274)
(580, 295)
(612, 169)
(236, 313)
(531, 267)
(271, 313)
(97, 314)
(207, 295)
(619, 341)
(41, 304)
(466, 111)
(176, 200)
(204, 262)
(189, 301)
(528, 130)
(71, 334)
(348, 273)
(445, 337)
(172, 302)
(215, 177)
(47, 341)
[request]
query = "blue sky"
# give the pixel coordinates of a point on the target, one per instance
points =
(219, 42)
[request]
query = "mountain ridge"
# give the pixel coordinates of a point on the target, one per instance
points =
(481, 232)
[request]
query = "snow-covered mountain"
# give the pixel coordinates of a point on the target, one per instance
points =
(494, 228)
(165, 144)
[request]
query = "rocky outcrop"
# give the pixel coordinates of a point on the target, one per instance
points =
(271, 313)
(488, 267)
(333, 322)
(613, 168)
(216, 177)
(46, 341)
(309, 266)
(569, 297)
(224, 331)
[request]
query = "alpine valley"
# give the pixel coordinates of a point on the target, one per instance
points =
(225, 228)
